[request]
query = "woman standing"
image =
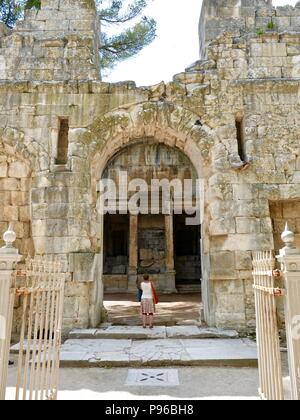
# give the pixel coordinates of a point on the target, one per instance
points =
(147, 303)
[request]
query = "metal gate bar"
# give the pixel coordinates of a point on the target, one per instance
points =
(39, 354)
(270, 370)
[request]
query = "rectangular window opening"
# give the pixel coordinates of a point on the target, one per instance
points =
(63, 142)
(240, 130)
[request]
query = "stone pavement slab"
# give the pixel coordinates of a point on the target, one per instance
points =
(221, 350)
(139, 333)
(131, 332)
(157, 353)
(196, 332)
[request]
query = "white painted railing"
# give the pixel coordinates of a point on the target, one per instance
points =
(42, 298)
(264, 274)
(270, 374)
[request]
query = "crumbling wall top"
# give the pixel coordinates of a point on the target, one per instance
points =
(244, 16)
(58, 42)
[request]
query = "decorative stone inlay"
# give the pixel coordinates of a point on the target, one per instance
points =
(153, 377)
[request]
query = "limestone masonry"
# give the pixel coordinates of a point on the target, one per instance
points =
(231, 119)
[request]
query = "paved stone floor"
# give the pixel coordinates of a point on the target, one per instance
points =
(177, 309)
(162, 382)
(158, 353)
(194, 383)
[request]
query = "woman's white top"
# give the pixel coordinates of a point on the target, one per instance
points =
(147, 290)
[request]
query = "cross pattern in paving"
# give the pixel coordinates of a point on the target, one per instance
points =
(153, 377)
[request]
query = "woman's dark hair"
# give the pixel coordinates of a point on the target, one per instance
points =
(146, 277)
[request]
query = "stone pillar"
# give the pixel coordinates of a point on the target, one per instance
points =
(169, 229)
(290, 265)
(9, 257)
(170, 285)
(133, 252)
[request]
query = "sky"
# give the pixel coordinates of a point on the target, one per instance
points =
(176, 45)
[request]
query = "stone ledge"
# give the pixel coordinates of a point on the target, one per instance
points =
(281, 80)
(138, 333)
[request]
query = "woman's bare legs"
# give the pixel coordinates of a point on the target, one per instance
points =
(144, 316)
(151, 319)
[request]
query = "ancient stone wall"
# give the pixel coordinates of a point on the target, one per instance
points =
(15, 185)
(244, 16)
(58, 42)
(253, 78)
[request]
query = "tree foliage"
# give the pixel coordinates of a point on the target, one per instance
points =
(11, 11)
(129, 41)
(29, 4)
(126, 43)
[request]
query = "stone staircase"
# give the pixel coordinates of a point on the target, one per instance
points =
(130, 346)
(189, 288)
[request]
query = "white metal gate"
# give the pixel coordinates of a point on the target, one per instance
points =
(269, 358)
(42, 308)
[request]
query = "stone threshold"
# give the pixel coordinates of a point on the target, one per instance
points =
(87, 353)
(139, 333)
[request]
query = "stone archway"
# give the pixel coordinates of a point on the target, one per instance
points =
(157, 241)
(167, 124)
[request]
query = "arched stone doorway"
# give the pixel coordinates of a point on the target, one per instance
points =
(160, 244)
(172, 126)
(158, 240)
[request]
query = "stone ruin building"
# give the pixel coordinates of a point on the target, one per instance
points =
(231, 119)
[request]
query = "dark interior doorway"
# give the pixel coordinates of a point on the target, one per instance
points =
(187, 252)
(116, 244)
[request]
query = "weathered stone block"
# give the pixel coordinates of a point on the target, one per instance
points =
(243, 260)
(268, 50)
(18, 170)
(231, 320)
(229, 287)
(242, 242)
(76, 289)
(266, 225)
(231, 304)
(9, 184)
(83, 267)
(3, 170)
(20, 229)
(54, 245)
(9, 213)
(222, 265)
(24, 213)
(222, 226)
(247, 225)
(19, 198)
(5, 197)
(243, 191)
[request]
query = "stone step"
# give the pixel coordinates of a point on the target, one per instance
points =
(188, 288)
(158, 353)
(139, 333)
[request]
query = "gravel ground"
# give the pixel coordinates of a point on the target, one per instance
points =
(195, 383)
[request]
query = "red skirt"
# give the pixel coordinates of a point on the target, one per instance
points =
(147, 306)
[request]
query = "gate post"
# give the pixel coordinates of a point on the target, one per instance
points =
(290, 265)
(9, 257)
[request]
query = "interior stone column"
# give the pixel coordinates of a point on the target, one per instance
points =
(169, 232)
(170, 285)
(133, 252)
